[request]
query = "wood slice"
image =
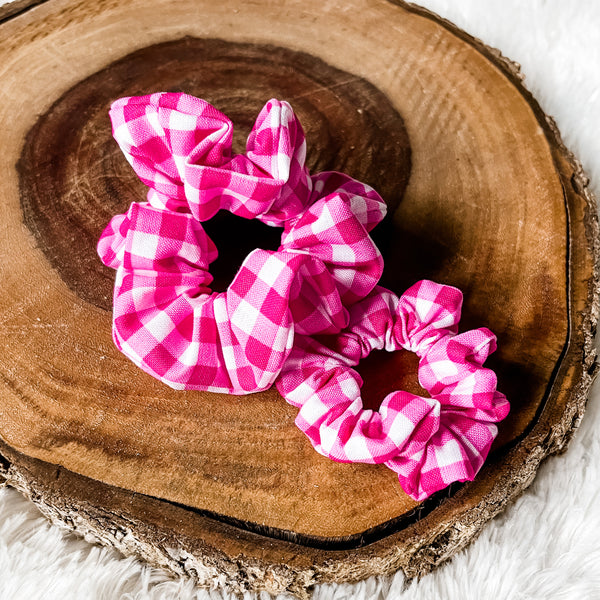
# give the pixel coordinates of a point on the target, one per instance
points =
(481, 194)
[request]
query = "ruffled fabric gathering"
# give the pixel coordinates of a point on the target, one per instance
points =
(428, 441)
(166, 319)
(300, 317)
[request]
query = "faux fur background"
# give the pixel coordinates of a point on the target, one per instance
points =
(546, 545)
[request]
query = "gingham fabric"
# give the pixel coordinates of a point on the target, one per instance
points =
(302, 316)
(180, 147)
(428, 441)
(165, 318)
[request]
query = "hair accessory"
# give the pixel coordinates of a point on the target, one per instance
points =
(302, 316)
(428, 442)
(165, 317)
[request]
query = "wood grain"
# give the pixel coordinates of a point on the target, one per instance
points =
(73, 175)
(494, 204)
(9, 8)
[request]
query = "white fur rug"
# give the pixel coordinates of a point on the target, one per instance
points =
(545, 546)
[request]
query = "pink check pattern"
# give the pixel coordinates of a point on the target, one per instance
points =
(166, 319)
(301, 317)
(428, 441)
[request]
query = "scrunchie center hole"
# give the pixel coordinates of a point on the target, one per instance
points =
(235, 238)
(386, 372)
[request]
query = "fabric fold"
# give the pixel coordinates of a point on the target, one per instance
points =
(169, 322)
(181, 148)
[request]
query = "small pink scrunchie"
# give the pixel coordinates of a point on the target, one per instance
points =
(428, 441)
(165, 317)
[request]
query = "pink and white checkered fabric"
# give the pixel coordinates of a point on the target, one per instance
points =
(181, 148)
(165, 317)
(428, 442)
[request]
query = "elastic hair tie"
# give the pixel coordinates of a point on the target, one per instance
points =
(428, 442)
(166, 319)
(302, 316)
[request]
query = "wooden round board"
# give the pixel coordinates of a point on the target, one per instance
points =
(481, 194)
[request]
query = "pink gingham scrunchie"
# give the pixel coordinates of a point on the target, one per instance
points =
(165, 317)
(302, 316)
(428, 441)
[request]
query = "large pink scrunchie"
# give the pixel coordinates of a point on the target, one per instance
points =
(165, 317)
(428, 441)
